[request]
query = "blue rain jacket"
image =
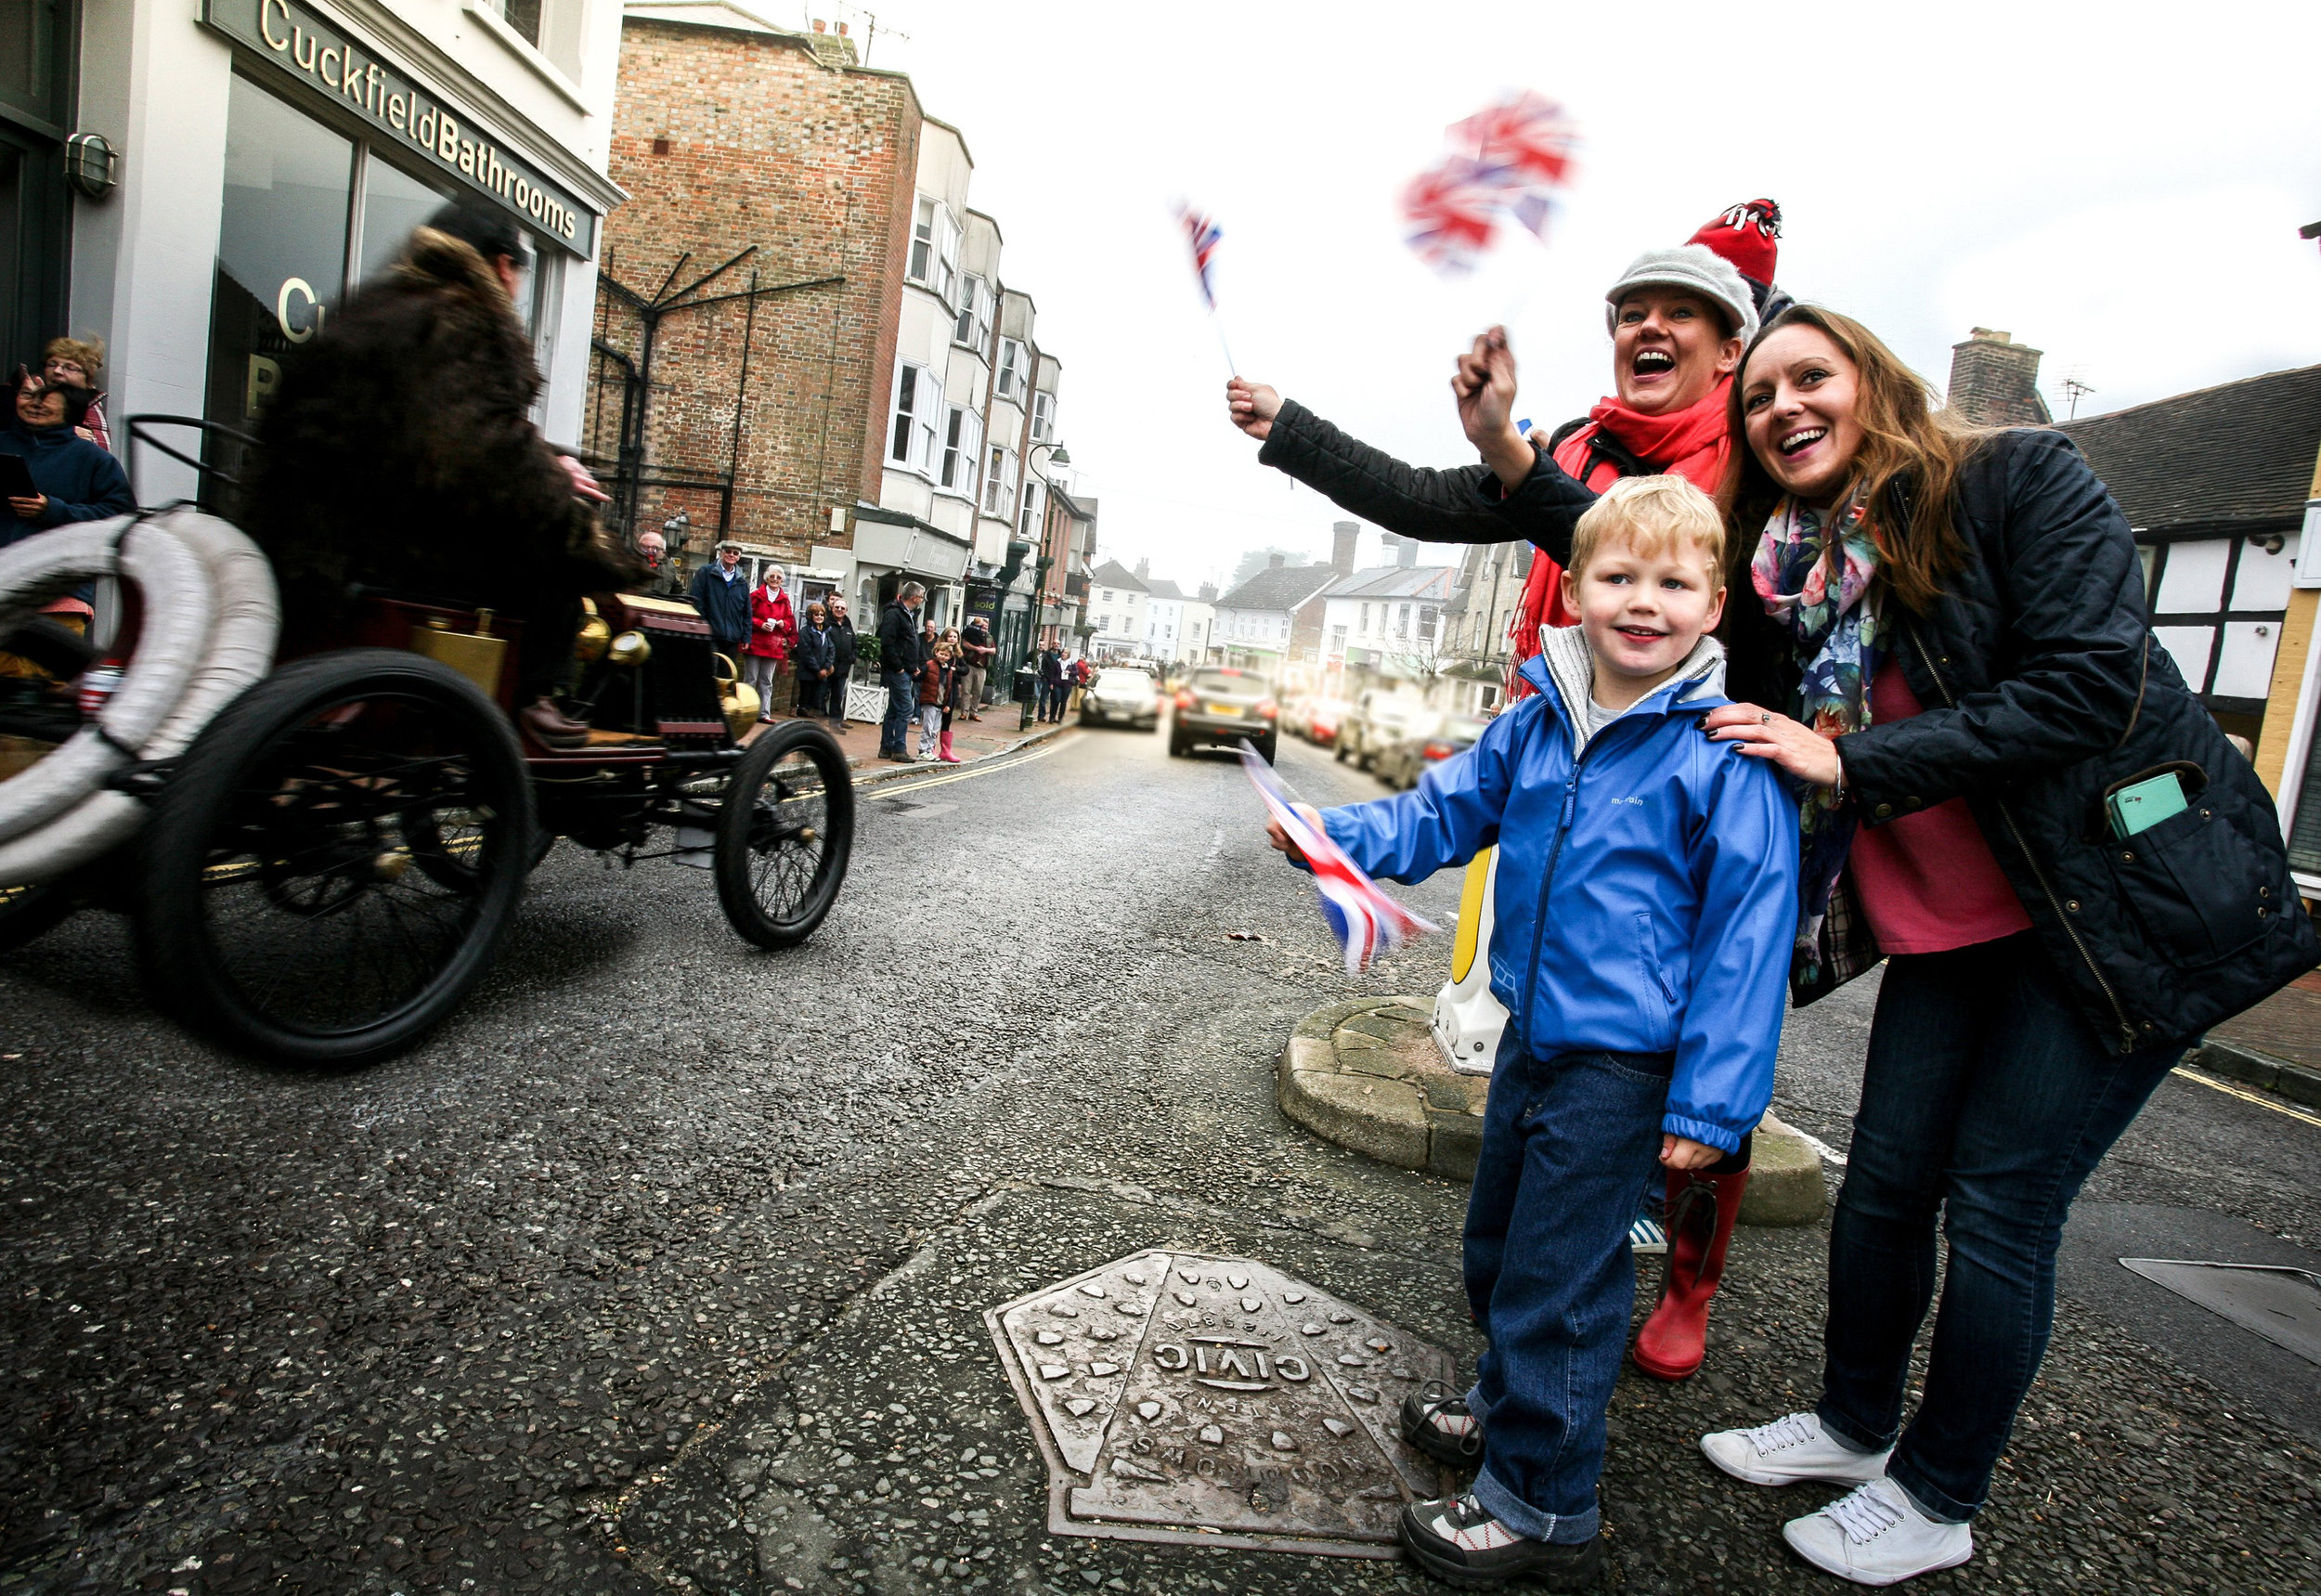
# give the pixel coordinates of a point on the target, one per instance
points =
(1647, 882)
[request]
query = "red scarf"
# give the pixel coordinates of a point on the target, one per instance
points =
(1691, 443)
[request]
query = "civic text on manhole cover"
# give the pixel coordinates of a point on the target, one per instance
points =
(1184, 1397)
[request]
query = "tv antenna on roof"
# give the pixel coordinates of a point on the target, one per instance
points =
(2076, 388)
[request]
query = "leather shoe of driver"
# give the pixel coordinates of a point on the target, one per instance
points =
(551, 727)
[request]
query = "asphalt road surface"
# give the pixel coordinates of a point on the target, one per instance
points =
(662, 1268)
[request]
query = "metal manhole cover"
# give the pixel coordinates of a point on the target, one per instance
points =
(1217, 1402)
(2279, 1302)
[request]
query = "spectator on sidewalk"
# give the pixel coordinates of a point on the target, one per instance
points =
(721, 595)
(976, 650)
(664, 580)
(934, 695)
(957, 653)
(1051, 683)
(815, 651)
(79, 363)
(772, 634)
(900, 659)
(842, 654)
(77, 481)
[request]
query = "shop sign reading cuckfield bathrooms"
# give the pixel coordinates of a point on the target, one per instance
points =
(318, 54)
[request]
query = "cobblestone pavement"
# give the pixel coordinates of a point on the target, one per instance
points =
(662, 1266)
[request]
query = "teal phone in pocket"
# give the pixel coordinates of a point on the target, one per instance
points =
(2144, 805)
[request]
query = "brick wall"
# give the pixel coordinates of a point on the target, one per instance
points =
(722, 140)
(1994, 381)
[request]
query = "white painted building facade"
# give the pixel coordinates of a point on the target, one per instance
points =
(273, 153)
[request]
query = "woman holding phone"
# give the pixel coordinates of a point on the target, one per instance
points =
(1983, 729)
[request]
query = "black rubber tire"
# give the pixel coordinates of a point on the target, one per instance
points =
(1269, 748)
(29, 911)
(272, 745)
(1178, 747)
(57, 649)
(740, 867)
(1341, 753)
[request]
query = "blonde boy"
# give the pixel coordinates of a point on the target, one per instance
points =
(1646, 903)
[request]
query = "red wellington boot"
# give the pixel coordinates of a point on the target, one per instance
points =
(1701, 1209)
(943, 749)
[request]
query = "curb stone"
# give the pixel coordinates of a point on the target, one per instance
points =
(2298, 1082)
(1366, 1075)
(868, 774)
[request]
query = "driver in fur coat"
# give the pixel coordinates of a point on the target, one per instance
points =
(399, 452)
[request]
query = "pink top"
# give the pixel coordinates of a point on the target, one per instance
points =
(1927, 881)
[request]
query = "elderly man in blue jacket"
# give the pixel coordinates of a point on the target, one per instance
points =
(1647, 905)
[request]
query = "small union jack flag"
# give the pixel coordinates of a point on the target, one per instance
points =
(1203, 235)
(1526, 131)
(1366, 921)
(1449, 211)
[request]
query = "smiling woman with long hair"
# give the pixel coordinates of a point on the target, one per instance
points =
(1973, 683)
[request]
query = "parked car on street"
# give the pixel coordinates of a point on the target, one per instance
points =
(1220, 706)
(1401, 764)
(1380, 718)
(1319, 722)
(1120, 698)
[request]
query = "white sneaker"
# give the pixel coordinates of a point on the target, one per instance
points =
(1877, 1536)
(1792, 1448)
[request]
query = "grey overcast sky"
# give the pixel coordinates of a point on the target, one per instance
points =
(2117, 184)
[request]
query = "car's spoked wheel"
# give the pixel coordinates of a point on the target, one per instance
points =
(784, 834)
(335, 862)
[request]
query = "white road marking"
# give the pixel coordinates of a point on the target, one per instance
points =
(1828, 1153)
(980, 768)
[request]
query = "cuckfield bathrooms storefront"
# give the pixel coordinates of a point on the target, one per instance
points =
(268, 156)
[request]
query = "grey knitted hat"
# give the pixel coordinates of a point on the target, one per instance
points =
(1697, 269)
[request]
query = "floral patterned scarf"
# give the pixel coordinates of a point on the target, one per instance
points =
(1814, 585)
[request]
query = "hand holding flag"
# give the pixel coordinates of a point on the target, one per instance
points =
(1366, 921)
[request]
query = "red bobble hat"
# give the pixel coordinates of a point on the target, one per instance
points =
(1749, 235)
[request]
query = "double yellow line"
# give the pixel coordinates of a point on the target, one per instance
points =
(2246, 1097)
(980, 768)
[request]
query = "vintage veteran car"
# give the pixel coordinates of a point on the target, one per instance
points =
(321, 854)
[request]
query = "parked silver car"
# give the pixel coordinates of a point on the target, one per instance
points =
(1401, 764)
(1380, 718)
(1122, 699)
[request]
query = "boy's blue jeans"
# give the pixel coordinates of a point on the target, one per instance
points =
(1987, 1100)
(1567, 1144)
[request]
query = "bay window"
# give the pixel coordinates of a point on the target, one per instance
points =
(1008, 382)
(1042, 417)
(934, 247)
(973, 327)
(918, 402)
(999, 484)
(963, 441)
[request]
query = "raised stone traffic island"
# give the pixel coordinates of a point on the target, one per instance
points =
(1367, 1074)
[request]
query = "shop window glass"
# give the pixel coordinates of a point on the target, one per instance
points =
(282, 251)
(394, 202)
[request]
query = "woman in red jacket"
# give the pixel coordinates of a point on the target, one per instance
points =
(773, 635)
(1679, 319)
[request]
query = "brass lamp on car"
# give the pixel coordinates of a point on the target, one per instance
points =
(739, 699)
(630, 649)
(594, 637)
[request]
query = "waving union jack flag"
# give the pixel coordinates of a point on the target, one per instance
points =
(1203, 235)
(1366, 922)
(1450, 212)
(1514, 157)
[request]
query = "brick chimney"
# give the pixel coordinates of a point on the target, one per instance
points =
(1343, 536)
(1276, 561)
(1994, 381)
(1143, 569)
(1209, 592)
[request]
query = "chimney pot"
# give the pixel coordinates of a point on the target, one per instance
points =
(842, 29)
(1994, 381)
(821, 26)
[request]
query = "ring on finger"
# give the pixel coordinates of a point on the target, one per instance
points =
(1764, 717)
